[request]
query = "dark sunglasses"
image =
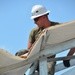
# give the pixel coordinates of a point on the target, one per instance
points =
(36, 19)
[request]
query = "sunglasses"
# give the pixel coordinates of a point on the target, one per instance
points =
(36, 19)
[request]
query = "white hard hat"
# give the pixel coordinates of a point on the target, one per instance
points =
(38, 10)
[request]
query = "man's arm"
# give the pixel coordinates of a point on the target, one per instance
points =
(67, 62)
(71, 52)
(29, 45)
(26, 54)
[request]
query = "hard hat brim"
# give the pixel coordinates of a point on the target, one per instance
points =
(33, 17)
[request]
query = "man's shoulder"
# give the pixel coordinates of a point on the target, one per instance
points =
(54, 23)
(35, 29)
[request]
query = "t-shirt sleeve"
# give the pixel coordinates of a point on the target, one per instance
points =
(31, 36)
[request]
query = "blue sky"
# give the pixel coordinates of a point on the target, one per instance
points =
(15, 22)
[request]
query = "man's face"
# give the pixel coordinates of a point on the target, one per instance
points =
(39, 21)
(36, 19)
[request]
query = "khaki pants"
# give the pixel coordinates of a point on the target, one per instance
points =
(51, 68)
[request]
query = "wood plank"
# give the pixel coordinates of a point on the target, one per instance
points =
(50, 51)
(7, 59)
(60, 66)
(61, 33)
(70, 72)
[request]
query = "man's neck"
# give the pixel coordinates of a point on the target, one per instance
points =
(47, 24)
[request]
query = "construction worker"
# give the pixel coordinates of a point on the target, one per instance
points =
(40, 17)
(67, 62)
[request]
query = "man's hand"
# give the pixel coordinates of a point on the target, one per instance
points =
(24, 55)
(66, 63)
(21, 52)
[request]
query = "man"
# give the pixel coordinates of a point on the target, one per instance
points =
(67, 62)
(40, 17)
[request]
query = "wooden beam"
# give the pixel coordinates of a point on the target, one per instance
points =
(70, 72)
(43, 70)
(60, 66)
(54, 49)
